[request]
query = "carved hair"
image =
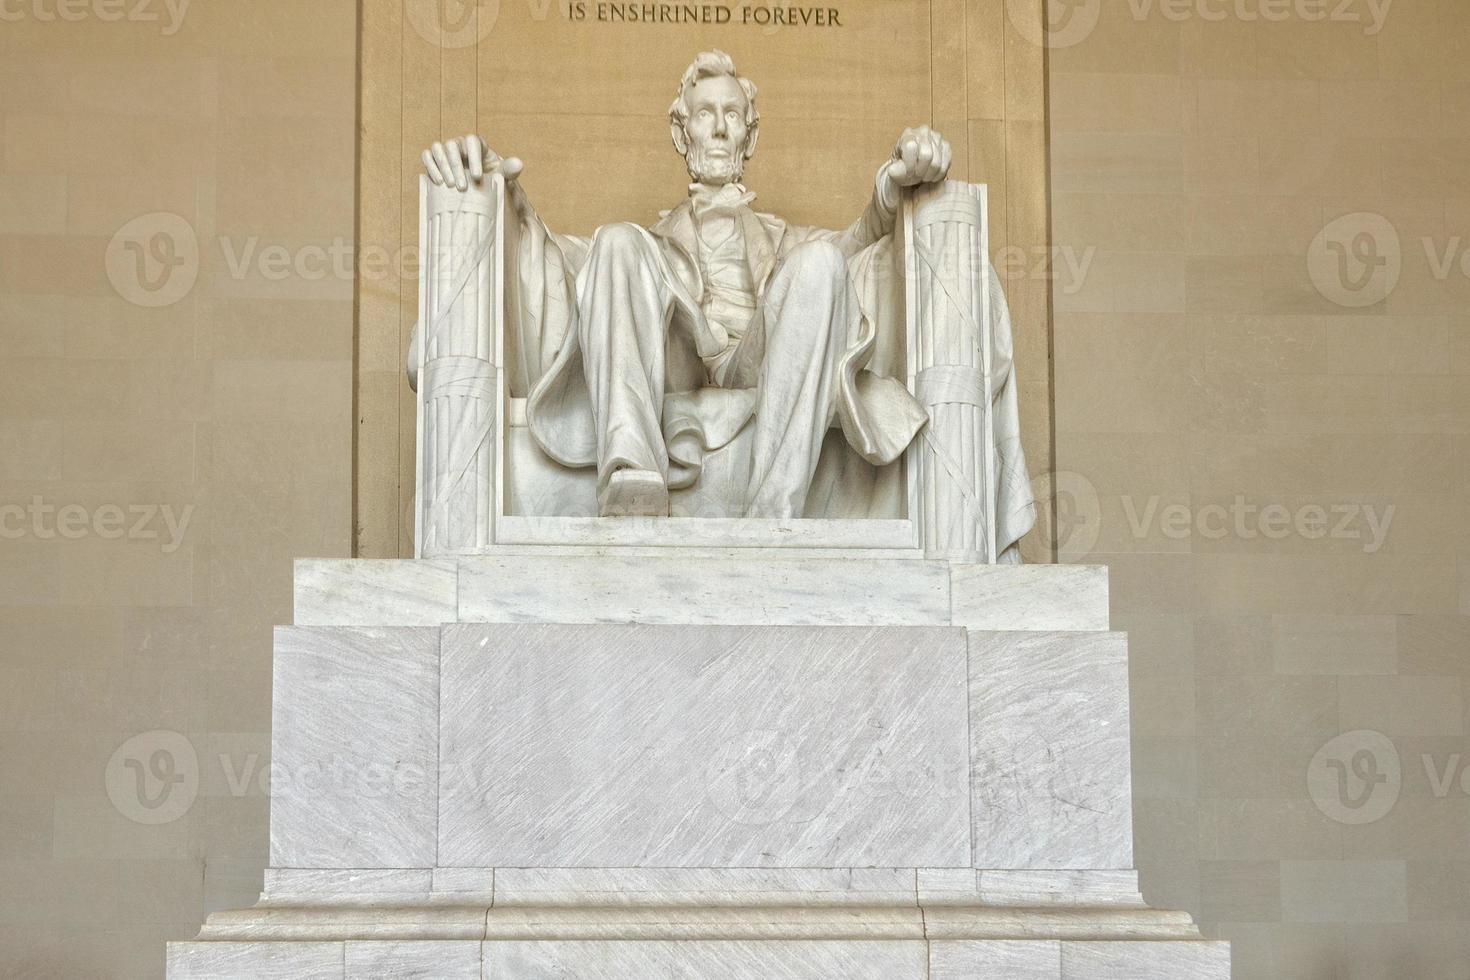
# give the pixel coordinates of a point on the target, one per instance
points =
(712, 64)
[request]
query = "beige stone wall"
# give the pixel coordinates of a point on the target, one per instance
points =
(585, 106)
(229, 410)
(1199, 363)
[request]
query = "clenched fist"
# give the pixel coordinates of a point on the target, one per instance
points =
(921, 157)
(460, 162)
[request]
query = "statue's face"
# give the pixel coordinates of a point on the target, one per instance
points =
(716, 130)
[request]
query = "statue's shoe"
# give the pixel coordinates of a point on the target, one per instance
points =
(634, 493)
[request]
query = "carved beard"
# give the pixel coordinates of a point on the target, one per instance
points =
(716, 172)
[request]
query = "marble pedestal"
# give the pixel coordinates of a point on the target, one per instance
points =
(703, 765)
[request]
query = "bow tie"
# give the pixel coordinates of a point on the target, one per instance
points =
(729, 196)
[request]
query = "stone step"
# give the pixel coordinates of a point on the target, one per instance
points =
(703, 959)
(690, 586)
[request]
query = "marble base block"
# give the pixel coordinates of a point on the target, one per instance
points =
(685, 586)
(703, 746)
(1050, 746)
(705, 959)
(354, 748)
(578, 765)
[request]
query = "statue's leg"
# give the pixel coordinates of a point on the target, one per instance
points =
(805, 318)
(624, 308)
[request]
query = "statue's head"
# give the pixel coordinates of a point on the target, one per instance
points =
(714, 119)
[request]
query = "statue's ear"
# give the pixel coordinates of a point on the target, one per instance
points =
(750, 138)
(681, 138)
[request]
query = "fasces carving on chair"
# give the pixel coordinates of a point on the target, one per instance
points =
(723, 363)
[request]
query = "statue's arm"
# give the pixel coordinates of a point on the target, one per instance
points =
(876, 221)
(527, 217)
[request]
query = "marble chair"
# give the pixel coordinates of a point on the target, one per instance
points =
(483, 481)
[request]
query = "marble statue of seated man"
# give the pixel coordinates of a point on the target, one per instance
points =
(643, 349)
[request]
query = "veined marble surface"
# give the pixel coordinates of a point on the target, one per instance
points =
(1030, 597)
(874, 960)
(347, 881)
(453, 960)
(672, 591)
(687, 585)
(702, 747)
(711, 887)
(710, 800)
(439, 917)
(649, 746)
(1029, 889)
(996, 960)
(707, 887)
(913, 958)
(255, 961)
(354, 747)
(1049, 734)
(1145, 961)
(459, 881)
(376, 592)
(990, 960)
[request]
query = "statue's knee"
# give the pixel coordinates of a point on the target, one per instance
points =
(818, 259)
(621, 240)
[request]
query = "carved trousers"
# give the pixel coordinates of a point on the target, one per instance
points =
(790, 354)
